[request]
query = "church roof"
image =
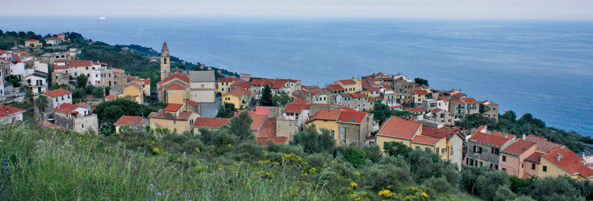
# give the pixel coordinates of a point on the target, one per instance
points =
(165, 51)
(202, 76)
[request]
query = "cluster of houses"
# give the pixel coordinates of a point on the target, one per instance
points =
(341, 108)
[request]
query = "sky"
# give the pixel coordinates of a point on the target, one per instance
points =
(440, 9)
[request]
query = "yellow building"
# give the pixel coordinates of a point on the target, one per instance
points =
(224, 84)
(420, 96)
(397, 129)
(173, 118)
(564, 162)
(176, 93)
(432, 144)
(239, 97)
(33, 43)
(351, 85)
(134, 92)
(328, 119)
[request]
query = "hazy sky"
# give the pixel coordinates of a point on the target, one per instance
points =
(470, 9)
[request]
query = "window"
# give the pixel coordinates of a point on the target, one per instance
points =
(533, 166)
(427, 149)
(504, 158)
(495, 151)
(545, 168)
(438, 150)
(417, 147)
(87, 67)
(82, 125)
(333, 132)
(504, 169)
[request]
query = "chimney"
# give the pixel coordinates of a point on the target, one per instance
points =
(558, 157)
(7, 112)
(523, 136)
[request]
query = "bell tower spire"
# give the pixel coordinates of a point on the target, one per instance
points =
(165, 62)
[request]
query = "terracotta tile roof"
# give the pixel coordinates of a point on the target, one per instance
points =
(65, 108)
(192, 102)
(298, 99)
(458, 95)
(176, 76)
(279, 83)
(436, 110)
(395, 106)
(335, 87)
(372, 89)
(519, 147)
(83, 104)
(358, 95)
(457, 102)
(210, 122)
(414, 110)
(7, 110)
(489, 139)
(133, 85)
(427, 140)
(53, 38)
(269, 129)
(146, 81)
(440, 132)
(268, 82)
(569, 161)
(175, 86)
(57, 92)
(119, 73)
(325, 114)
(258, 121)
(365, 83)
(50, 125)
(130, 121)
(80, 63)
(238, 92)
(347, 82)
(348, 109)
(173, 107)
(443, 98)
(351, 117)
(469, 100)
(387, 79)
(399, 128)
(110, 97)
(543, 144)
(161, 115)
(504, 135)
(228, 79)
(421, 92)
(535, 157)
(295, 108)
(257, 82)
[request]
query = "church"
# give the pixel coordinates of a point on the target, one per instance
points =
(178, 86)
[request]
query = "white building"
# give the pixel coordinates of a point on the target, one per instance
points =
(10, 115)
(53, 41)
(37, 82)
(202, 86)
(18, 69)
(58, 97)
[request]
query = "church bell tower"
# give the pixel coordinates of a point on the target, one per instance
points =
(165, 62)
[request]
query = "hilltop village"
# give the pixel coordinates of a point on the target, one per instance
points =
(429, 117)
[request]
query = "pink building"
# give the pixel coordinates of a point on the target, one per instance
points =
(512, 158)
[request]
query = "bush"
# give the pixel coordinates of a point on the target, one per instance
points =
(98, 92)
(504, 193)
(355, 156)
(318, 159)
(488, 183)
(373, 152)
(438, 185)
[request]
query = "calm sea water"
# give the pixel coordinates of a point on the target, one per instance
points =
(541, 67)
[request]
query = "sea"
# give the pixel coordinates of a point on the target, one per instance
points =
(540, 67)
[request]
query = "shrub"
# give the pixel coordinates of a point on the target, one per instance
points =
(355, 156)
(504, 193)
(373, 152)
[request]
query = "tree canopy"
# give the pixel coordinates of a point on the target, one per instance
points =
(313, 141)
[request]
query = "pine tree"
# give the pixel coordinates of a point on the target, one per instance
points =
(266, 97)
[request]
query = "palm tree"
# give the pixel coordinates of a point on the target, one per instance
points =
(41, 104)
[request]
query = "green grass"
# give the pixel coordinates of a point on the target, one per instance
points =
(22, 105)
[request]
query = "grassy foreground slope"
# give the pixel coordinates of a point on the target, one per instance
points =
(47, 164)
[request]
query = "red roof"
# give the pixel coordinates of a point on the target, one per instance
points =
(347, 82)
(129, 121)
(295, 108)
(269, 133)
(421, 92)
(346, 109)
(7, 110)
(147, 81)
(351, 117)
(458, 95)
(268, 82)
(373, 89)
(535, 157)
(365, 83)
(489, 139)
(325, 114)
(258, 82)
(50, 125)
(173, 107)
(31, 40)
(395, 106)
(436, 110)
(543, 144)
(414, 110)
(469, 100)
(175, 86)
(457, 102)
(519, 147)
(65, 108)
(487, 102)
(399, 128)
(228, 79)
(358, 95)
(53, 38)
(79, 63)
(439, 132)
(210, 122)
(258, 121)
(176, 76)
(443, 98)
(569, 161)
(335, 87)
(279, 83)
(192, 102)
(56, 93)
(427, 140)
(110, 97)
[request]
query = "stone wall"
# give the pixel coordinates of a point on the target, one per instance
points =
(274, 112)
(316, 107)
(286, 128)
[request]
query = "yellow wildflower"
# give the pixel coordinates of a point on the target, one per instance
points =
(353, 185)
